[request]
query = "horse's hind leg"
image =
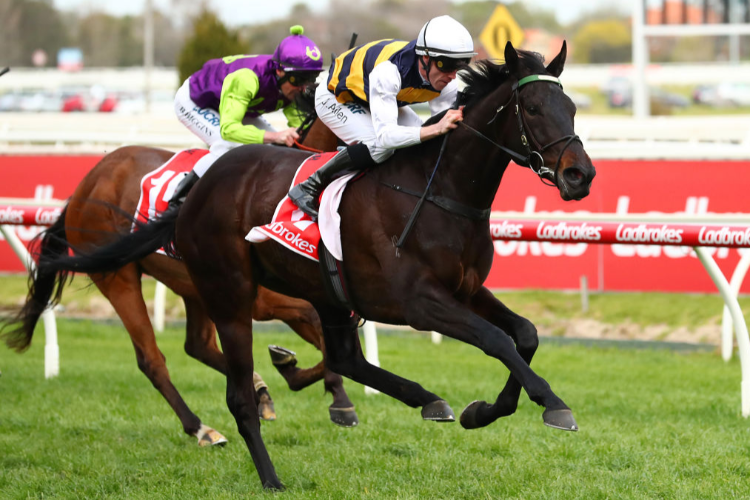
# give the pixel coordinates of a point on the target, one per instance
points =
(523, 333)
(123, 290)
(300, 316)
(344, 356)
(200, 336)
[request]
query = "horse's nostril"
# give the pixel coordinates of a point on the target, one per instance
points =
(573, 175)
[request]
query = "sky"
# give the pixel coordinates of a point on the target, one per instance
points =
(241, 12)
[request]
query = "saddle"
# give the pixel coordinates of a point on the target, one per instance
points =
(158, 186)
(295, 230)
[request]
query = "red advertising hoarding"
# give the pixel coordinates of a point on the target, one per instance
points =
(41, 178)
(621, 186)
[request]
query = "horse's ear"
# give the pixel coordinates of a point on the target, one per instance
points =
(555, 68)
(511, 58)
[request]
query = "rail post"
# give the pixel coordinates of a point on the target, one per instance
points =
(51, 349)
(727, 344)
(739, 323)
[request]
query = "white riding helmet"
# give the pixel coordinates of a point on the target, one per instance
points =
(445, 37)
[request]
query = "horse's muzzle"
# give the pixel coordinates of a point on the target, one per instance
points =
(576, 182)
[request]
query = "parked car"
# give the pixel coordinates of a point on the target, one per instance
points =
(669, 98)
(108, 104)
(728, 94)
(705, 94)
(619, 93)
(733, 94)
(31, 100)
(582, 101)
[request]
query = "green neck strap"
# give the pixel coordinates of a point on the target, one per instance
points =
(537, 78)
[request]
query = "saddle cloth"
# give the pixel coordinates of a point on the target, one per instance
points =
(294, 229)
(158, 186)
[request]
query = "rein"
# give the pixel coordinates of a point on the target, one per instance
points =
(305, 128)
(305, 148)
(418, 208)
(526, 161)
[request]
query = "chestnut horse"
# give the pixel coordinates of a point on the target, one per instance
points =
(94, 217)
(431, 282)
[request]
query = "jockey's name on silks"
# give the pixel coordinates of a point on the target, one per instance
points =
(349, 78)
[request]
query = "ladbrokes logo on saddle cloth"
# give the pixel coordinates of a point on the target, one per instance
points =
(158, 186)
(290, 226)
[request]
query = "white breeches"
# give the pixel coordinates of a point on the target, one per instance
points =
(352, 122)
(205, 123)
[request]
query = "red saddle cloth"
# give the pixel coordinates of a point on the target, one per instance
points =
(290, 226)
(158, 186)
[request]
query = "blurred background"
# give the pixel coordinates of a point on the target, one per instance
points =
(107, 56)
(662, 89)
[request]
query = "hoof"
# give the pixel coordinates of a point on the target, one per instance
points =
(266, 410)
(281, 356)
(274, 484)
(438, 411)
(345, 417)
(560, 419)
(209, 437)
(469, 415)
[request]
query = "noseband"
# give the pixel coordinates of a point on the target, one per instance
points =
(526, 161)
(533, 158)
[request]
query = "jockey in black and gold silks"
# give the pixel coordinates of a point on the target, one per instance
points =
(349, 80)
(366, 99)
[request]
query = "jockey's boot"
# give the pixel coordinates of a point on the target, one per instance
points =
(182, 189)
(306, 194)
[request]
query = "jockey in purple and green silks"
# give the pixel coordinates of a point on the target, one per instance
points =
(222, 103)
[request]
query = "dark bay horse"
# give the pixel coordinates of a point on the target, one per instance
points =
(94, 217)
(432, 282)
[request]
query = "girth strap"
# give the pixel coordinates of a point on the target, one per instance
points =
(447, 204)
(334, 279)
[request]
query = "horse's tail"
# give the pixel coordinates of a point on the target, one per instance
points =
(45, 286)
(145, 240)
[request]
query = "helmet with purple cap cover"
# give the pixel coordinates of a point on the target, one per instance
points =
(299, 57)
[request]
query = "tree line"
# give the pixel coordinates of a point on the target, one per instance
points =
(601, 36)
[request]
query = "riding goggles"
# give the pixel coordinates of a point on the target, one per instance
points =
(300, 78)
(450, 64)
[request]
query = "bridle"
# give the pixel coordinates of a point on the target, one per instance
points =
(533, 158)
(527, 161)
(303, 130)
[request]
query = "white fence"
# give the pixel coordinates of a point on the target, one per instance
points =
(714, 137)
(575, 75)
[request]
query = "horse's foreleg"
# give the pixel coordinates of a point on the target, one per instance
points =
(242, 399)
(223, 276)
(435, 309)
(524, 334)
(200, 343)
(345, 357)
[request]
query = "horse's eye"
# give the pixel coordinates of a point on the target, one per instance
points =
(532, 110)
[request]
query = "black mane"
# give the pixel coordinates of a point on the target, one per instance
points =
(486, 76)
(305, 100)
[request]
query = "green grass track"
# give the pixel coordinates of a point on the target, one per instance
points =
(654, 424)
